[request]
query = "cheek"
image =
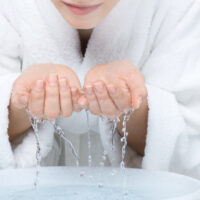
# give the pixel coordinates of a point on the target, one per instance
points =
(55, 2)
(107, 7)
(111, 4)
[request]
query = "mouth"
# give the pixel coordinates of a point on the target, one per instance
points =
(81, 9)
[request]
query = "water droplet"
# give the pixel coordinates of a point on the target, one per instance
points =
(101, 164)
(100, 185)
(82, 174)
(113, 173)
(122, 165)
(125, 195)
(75, 193)
(89, 140)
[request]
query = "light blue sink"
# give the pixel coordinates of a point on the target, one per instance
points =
(64, 183)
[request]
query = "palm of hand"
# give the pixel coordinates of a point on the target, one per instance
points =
(109, 89)
(115, 87)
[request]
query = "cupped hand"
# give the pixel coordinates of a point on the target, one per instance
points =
(113, 88)
(47, 91)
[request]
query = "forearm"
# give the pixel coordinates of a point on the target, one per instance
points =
(137, 128)
(18, 122)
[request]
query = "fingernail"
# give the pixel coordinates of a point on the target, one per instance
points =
(83, 104)
(99, 87)
(63, 84)
(89, 89)
(23, 100)
(139, 102)
(53, 80)
(111, 89)
(39, 85)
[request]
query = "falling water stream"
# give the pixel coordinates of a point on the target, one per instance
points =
(126, 118)
(125, 135)
(115, 122)
(35, 125)
(89, 139)
(58, 130)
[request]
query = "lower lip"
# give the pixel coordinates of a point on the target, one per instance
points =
(81, 10)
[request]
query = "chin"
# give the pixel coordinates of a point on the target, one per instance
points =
(82, 24)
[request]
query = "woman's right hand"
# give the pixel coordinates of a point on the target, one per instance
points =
(48, 91)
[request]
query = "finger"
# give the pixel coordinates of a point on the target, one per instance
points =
(138, 96)
(75, 97)
(93, 104)
(106, 104)
(65, 98)
(121, 96)
(36, 101)
(52, 101)
(83, 102)
(20, 95)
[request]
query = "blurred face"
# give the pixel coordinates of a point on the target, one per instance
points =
(84, 14)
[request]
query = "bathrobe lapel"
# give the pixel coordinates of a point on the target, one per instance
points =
(109, 40)
(65, 38)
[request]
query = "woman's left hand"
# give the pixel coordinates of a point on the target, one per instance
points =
(113, 88)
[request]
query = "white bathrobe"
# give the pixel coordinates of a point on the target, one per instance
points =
(160, 37)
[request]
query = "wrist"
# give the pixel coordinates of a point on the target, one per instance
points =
(18, 122)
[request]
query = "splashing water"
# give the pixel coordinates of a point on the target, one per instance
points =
(102, 165)
(124, 138)
(104, 158)
(35, 125)
(115, 122)
(89, 140)
(38, 157)
(60, 132)
(126, 118)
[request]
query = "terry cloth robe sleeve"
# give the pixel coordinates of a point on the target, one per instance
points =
(9, 71)
(172, 72)
(22, 154)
